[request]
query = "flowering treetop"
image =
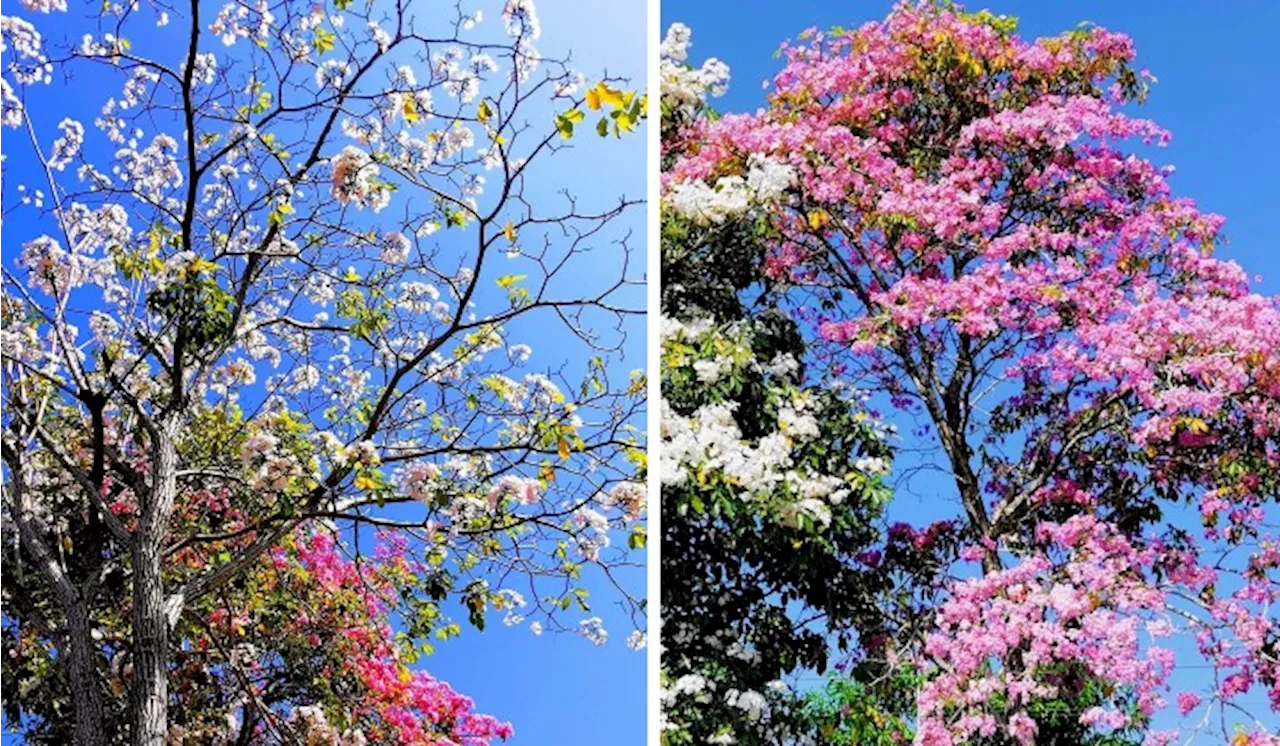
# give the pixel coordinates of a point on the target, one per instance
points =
(770, 483)
(953, 209)
(271, 296)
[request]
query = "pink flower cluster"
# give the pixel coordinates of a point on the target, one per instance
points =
(1093, 600)
(1008, 218)
(406, 705)
(1003, 635)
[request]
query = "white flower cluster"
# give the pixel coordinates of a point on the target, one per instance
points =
(689, 685)
(332, 74)
(419, 480)
(355, 180)
(274, 470)
(685, 88)
(20, 343)
(710, 444)
(766, 181)
(152, 171)
(710, 371)
(522, 24)
(239, 21)
(711, 441)
(310, 722)
(304, 378)
(420, 102)
(461, 78)
(523, 491)
(420, 297)
(637, 640)
(630, 496)
(593, 533)
(732, 351)
(57, 271)
(67, 147)
(694, 691)
(593, 629)
(751, 702)
(11, 110)
(27, 64)
(395, 247)
(45, 6)
(380, 36)
(512, 601)
(206, 68)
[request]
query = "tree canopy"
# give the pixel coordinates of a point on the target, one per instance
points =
(270, 410)
(957, 224)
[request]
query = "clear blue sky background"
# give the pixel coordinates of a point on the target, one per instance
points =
(563, 690)
(1219, 82)
(556, 690)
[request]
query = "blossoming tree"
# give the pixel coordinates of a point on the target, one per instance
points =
(953, 211)
(769, 483)
(268, 418)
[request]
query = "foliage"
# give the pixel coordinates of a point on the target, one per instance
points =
(770, 485)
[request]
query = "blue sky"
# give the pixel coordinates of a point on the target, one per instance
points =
(1219, 81)
(563, 690)
(554, 689)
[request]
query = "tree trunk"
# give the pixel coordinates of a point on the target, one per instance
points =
(149, 705)
(150, 701)
(82, 673)
(81, 655)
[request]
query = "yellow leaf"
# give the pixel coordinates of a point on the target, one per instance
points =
(562, 447)
(365, 483)
(509, 231)
(565, 122)
(201, 265)
(1196, 425)
(593, 99)
(610, 96)
(818, 219)
(410, 110)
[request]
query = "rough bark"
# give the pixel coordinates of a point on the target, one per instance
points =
(81, 663)
(82, 673)
(149, 703)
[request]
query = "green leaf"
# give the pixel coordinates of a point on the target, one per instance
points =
(323, 40)
(565, 122)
